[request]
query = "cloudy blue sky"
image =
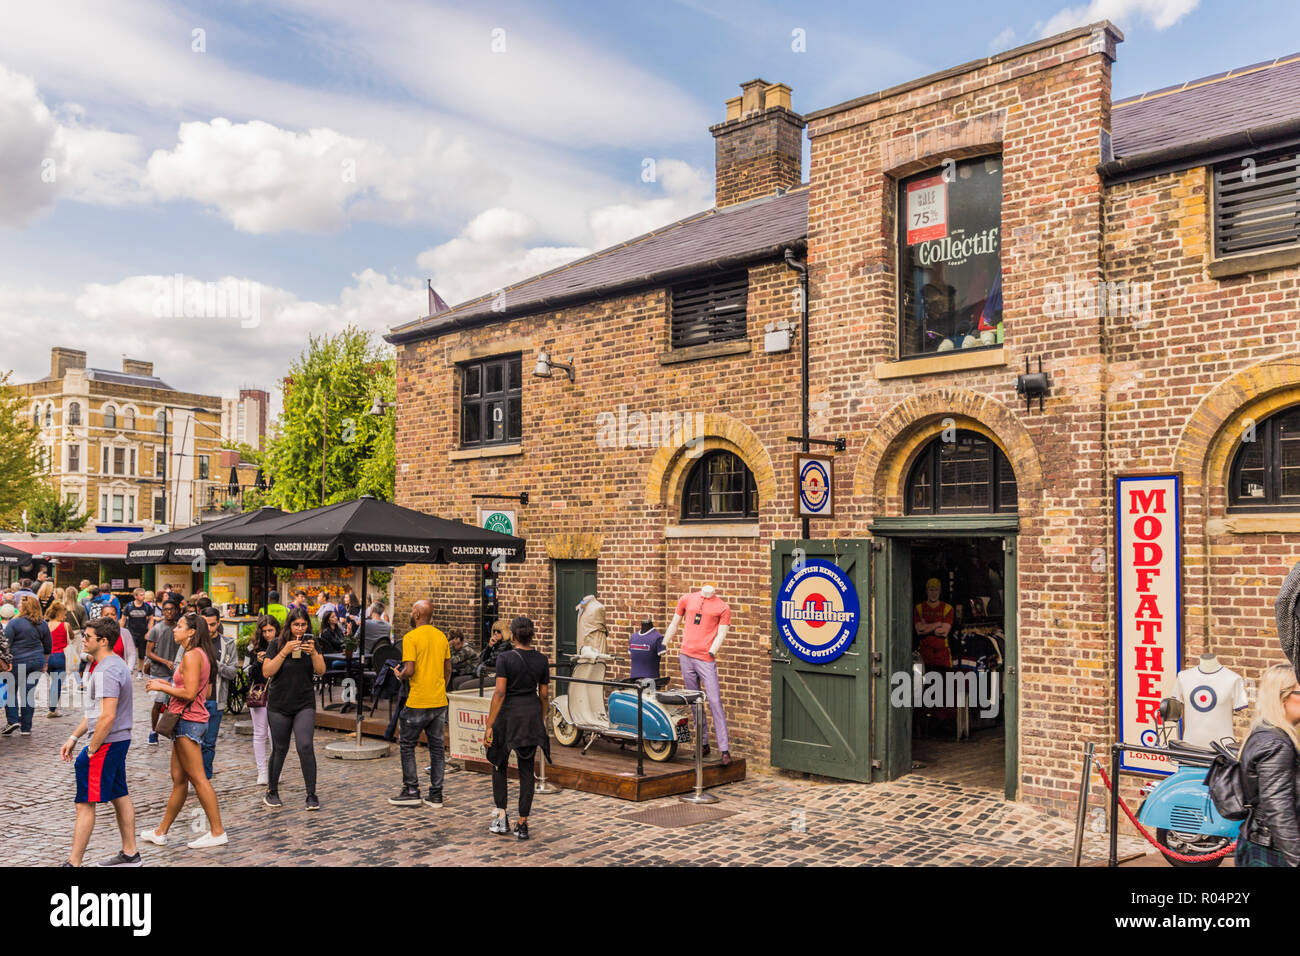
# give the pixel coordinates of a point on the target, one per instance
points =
(337, 152)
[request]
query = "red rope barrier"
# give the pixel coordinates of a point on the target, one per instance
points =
(1182, 858)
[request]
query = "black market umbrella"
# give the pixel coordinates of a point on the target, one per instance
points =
(365, 532)
(186, 544)
(232, 483)
(13, 556)
(260, 481)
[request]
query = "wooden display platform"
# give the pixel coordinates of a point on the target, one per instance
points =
(606, 770)
(370, 726)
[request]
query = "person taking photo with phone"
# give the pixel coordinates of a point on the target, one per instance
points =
(290, 665)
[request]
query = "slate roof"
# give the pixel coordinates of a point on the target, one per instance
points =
(123, 378)
(1212, 106)
(715, 238)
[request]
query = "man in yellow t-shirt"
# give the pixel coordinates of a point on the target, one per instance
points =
(426, 663)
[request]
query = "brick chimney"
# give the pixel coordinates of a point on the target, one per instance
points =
(62, 359)
(759, 144)
(136, 367)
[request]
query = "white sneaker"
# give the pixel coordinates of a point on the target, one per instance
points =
(207, 840)
(154, 837)
(263, 778)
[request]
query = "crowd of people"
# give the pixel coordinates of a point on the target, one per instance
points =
(90, 649)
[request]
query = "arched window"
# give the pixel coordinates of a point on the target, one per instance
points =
(110, 416)
(74, 413)
(129, 415)
(719, 488)
(1266, 468)
(36, 416)
(160, 420)
(49, 415)
(968, 475)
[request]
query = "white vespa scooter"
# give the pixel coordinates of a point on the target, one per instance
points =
(585, 712)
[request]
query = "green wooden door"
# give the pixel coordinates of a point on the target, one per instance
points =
(821, 713)
(574, 580)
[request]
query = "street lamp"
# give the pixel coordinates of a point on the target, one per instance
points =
(377, 407)
(545, 366)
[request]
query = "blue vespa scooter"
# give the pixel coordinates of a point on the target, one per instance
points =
(1178, 807)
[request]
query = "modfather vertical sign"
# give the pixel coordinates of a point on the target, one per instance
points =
(1148, 549)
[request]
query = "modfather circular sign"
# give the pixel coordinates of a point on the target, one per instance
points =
(817, 611)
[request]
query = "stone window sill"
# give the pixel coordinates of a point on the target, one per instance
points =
(1253, 262)
(721, 529)
(1275, 522)
(954, 361)
(693, 353)
(494, 451)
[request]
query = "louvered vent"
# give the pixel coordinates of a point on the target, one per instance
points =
(1257, 204)
(711, 310)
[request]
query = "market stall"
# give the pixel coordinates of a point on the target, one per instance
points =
(364, 532)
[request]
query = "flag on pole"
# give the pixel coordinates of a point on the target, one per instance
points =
(436, 303)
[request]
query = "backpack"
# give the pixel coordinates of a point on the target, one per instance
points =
(1227, 789)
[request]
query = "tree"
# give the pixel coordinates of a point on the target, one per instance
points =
(20, 463)
(46, 514)
(329, 390)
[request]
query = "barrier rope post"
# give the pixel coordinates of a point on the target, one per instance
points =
(1113, 860)
(1082, 813)
(1170, 854)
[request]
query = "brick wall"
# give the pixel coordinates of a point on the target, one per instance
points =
(612, 501)
(1044, 111)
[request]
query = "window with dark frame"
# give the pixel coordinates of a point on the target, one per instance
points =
(949, 258)
(203, 466)
(491, 402)
(110, 417)
(158, 509)
(720, 487)
(74, 413)
(709, 310)
(1257, 204)
(74, 458)
(1265, 472)
(968, 475)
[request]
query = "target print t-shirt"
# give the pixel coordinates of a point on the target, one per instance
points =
(1208, 703)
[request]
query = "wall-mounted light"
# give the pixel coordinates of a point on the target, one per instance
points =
(377, 407)
(1033, 385)
(545, 366)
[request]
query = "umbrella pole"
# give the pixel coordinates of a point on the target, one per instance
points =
(361, 647)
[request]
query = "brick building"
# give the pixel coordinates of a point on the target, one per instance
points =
(958, 230)
(104, 443)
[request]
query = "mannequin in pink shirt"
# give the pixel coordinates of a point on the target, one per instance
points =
(705, 619)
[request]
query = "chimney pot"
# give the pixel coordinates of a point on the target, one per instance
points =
(137, 367)
(759, 146)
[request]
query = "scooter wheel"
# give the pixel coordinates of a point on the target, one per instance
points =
(566, 734)
(660, 751)
(1190, 844)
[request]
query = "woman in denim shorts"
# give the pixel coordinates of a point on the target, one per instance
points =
(188, 693)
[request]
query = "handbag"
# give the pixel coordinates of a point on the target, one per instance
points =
(167, 722)
(257, 695)
(1227, 790)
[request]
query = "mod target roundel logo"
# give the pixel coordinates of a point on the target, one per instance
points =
(817, 611)
(1204, 698)
(814, 486)
(1149, 738)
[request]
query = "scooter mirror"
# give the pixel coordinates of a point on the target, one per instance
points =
(1171, 710)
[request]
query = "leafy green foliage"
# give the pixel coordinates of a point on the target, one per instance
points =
(20, 465)
(327, 395)
(46, 514)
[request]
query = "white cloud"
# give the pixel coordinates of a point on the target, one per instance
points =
(1160, 14)
(208, 355)
(501, 246)
(1003, 41)
(28, 131)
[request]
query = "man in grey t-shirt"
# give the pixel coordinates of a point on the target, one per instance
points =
(160, 649)
(101, 765)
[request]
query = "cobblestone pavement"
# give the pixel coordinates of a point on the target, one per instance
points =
(777, 820)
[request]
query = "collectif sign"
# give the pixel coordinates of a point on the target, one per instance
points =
(817, 611)
(1148, 549)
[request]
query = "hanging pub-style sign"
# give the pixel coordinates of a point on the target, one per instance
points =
(1149, 603)
(814, 485)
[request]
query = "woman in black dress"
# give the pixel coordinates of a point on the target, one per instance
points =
(517, 722)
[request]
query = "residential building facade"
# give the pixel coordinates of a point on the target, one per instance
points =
(243, 419)
(131, 450)
(962, 233)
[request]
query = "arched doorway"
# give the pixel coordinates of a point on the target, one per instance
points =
(945, 618)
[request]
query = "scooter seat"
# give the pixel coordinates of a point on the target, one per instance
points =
(679, 697)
